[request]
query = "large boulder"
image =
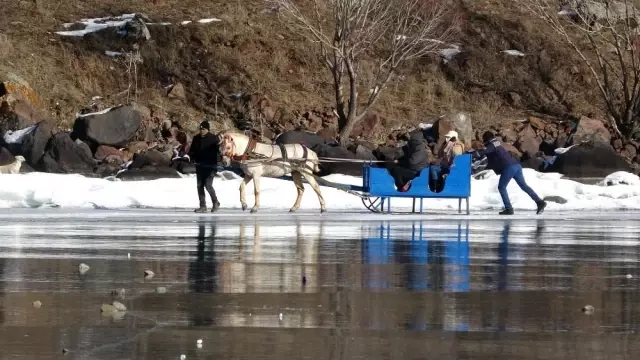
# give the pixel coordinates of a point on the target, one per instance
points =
(150, 158)
(305, 138)
(114, 127)
(183, 166)
(64, 155)
(30, 142)
(340, 167)
(105, 151)
(460, 122)
(591, 130)
(528, 141)
(589, 159)
(18, 104)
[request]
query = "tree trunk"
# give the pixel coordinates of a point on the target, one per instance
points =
(346, 130)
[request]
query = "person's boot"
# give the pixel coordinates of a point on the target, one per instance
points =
(507, 211)
(201, 209)
(541, 205)
(215, 207)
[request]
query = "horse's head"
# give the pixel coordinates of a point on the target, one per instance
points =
(231, 144)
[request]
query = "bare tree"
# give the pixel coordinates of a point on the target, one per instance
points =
(604, 35)
(347, 33)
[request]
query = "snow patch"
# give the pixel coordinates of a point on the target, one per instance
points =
(97, 24)
(16, 137)
(513, 53)
(75, 191)
(206, 21)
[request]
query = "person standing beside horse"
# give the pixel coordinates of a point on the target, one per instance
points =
(204, 153)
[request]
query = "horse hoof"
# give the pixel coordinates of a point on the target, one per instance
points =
(244, 207)
(323, 211)
(254, 210)
(292, 210)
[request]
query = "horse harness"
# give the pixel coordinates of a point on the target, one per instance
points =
(250, 151)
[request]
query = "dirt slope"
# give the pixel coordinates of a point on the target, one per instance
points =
(250, 52)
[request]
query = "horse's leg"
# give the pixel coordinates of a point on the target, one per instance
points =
(297, 180)
(244, 183)
(256, 192)
(314, 184)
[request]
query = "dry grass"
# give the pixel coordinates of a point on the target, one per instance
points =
(253, 52)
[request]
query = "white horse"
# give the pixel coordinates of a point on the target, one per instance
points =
(259, 159)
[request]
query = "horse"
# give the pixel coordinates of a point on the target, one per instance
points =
(259, 159)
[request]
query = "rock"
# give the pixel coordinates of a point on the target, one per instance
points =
(617, 144)
(509, 135)
(354, 169)
(183, 166)
(460, 122)
(104, 151)
(63, 155)
(590, 159)
(536, 123)
(149, 274)
(308, 139)
(387, 153)
(528, 142)
(161, 290)
(83, 268)
(148, 173)
(363, 152)
(561, 141)
(591, 130)
(37, 304)
(177, 92)
(629, 151)
(6, 157)
(137, 147)
(115, 127)
(512, 150)
(106, 169)
(34, 143)
(328, 134)
(366, 127)
(19, 104)
(151, 157)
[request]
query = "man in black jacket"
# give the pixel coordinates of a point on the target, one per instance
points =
(408, 167)
(204, 153)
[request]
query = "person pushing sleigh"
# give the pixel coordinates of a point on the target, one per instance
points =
(502, 163)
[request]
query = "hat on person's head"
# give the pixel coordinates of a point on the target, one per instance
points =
(451, 134)
(487, 136)
(205, 125)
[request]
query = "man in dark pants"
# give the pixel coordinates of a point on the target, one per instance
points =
(204, 153)
(505, 165)
(415, 159)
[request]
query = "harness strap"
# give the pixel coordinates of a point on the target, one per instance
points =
(284, 152)
(251, 146)
(305, 153)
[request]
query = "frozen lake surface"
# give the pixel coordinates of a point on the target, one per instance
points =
(308, 286)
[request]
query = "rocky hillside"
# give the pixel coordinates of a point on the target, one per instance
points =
(272, 71)
(177, 61)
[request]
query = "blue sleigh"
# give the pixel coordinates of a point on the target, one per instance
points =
(379, 185)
